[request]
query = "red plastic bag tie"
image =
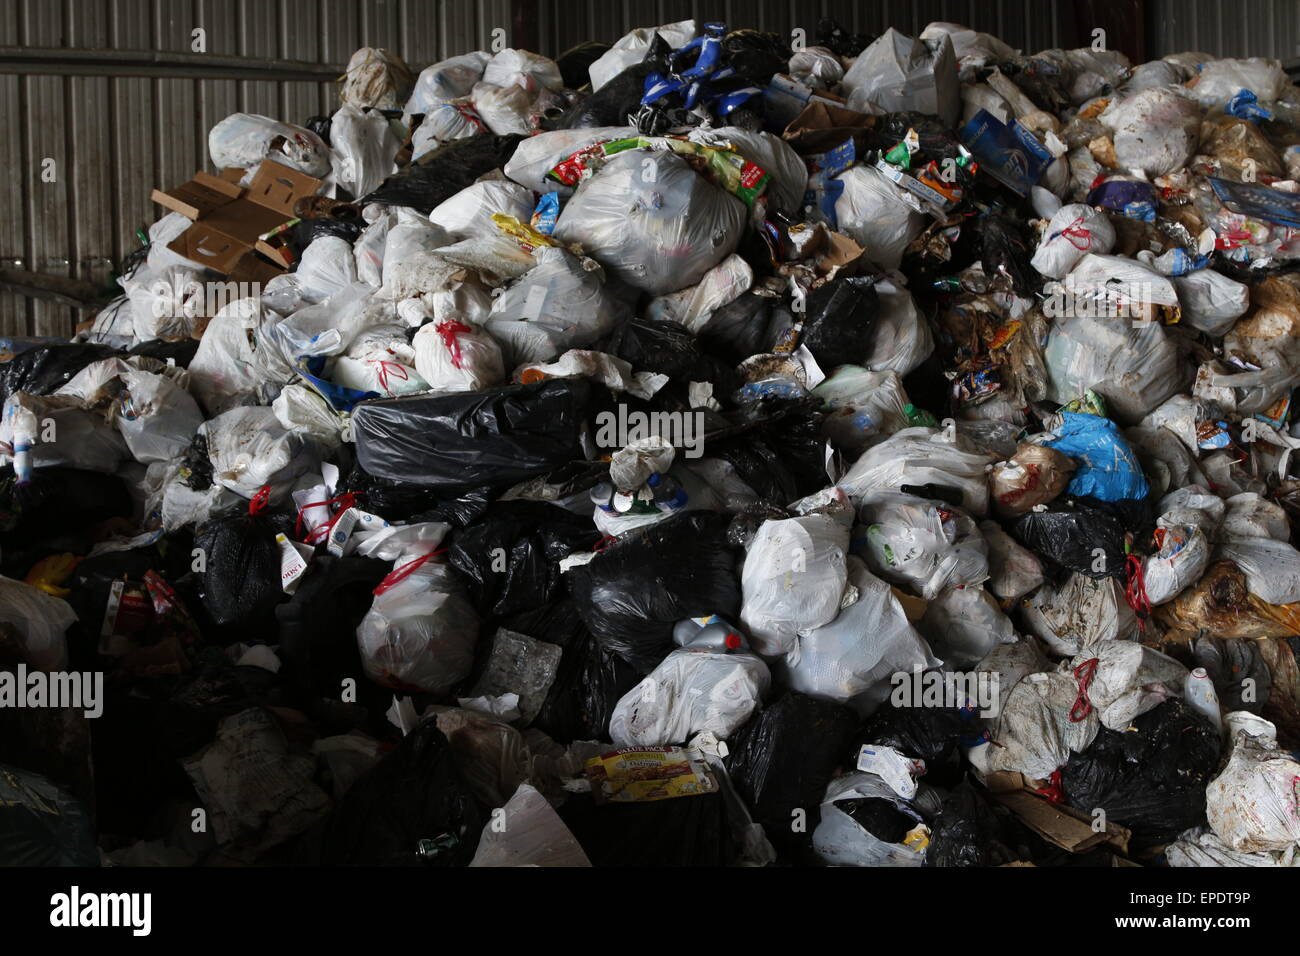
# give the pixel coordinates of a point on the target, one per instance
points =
(344, 501)
(1077, 234)
(1084, 674)
(259, 502)
(449, 329)
(403, 572)
(399, 371)
(1053, 791)
(1135, 590)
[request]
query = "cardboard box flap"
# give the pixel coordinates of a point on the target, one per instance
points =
(199, 197)
(277, 187)
(208, 247)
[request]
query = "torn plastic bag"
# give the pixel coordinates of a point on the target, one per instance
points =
(793, 579)
(374, 78)
(1133, 365)
(1108, 469)
(877, 215)
(1033, 476)
(963, 625)
(243, 140)
(782, 760)
(631, 48)
(156, 417)
(1151, 777)
(652, 221)
(635, 590)
(462, 442)
(241, 567)
(439, 175)
(412, 808)
(362, 149)
(1014, 571)
(841, 839)
(445, 81)
(47, 367)
(1211, 302)
(420, 632)
(1252, 805)
(839, 320)
(926, 545)
(1072, 232)
(1156, 130)
(897, 73)
(558, 304)
(531, 833)
(41, 824)
(250, 449)
(452, 356)
(852, 659)
(511, 557)
(1272, 568)
(917, 457)
(1081, 613)
(47, 431)
(862, 405)
(537, 155)
(691, 691)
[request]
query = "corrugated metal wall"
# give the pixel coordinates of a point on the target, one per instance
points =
(112, 139)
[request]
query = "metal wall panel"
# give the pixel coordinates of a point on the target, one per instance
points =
(113, 138)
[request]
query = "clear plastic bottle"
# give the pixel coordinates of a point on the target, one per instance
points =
(1201, 695)
(669, 495)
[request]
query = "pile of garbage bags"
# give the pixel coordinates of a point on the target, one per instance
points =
(689, 451)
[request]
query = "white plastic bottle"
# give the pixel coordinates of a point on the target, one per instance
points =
(1201, 696)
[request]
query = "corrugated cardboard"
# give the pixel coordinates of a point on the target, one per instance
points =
(229, 220)
(1064, 826)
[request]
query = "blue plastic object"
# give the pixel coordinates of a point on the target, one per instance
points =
(1108, 468)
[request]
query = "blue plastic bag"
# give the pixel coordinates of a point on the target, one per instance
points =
(1108, 468)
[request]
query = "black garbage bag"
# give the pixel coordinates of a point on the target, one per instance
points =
(181, 352)
(669, 349)
(879, 817)
(45, 368)
(460, 442)
(320, 125)
(1005, 248)
(58, 505)
(933, 734)
(840, 324)
(755, 56)
(969, 831)
(511, 557)
(839, 40)
(1067, 537)
(442, 173)
(407, 502)
(1150, 778)
(780, 453)
(318, 643)
(751, 325)
(632, 593)
(781, 760)
(683, 831)
(575, 63)
(589, 682)
(41, 824)
(411, 808)
(307, 231)
(241, 576)
(620, 98)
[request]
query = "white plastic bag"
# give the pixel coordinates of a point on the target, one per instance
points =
(454, 356)
(1221, 80)
(503, 109)
(929, 546)
(470, 211)
(877, 216)
(1211, 301)
(521, 68)
(919, 456)
(897, 73)
(444, 124)
(165, 304)
(793, 579)
(653, 221)
(1129, 679)
(420, 631)
(631, 48)
(39, 620)
(362, 149)
(839, 840)
(530, 833)
(853, 658)
(1072, 232)
(1080, 614)
(903, 339)
(1252, 805)
(538, 155)
(445, 81)
(375, 78)
(963, 625)
(156, 417)
(694, 306)
(860, 405)
(1156, 130)
(1133, 365)
(243, 140)
(249, 448)
(222, 372)
(558, 305)
(1272, 567)
(690, 692)
(1014, 570)
(410, 265)
(1247, 515)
